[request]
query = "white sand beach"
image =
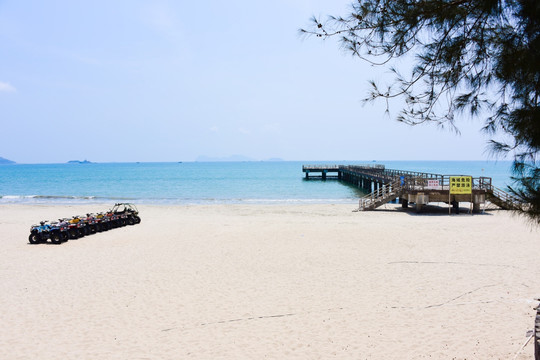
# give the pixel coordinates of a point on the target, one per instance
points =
(272, 282)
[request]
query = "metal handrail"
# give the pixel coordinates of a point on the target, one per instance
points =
(380, 194)
(508, 199)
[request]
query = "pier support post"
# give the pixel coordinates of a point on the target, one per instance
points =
(404, 203)
(455, 205)
(324, 175)
(478, 199)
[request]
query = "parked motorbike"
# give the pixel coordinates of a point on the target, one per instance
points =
(56, 232)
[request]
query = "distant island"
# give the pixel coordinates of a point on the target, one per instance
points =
(79, 162)
(6, 161)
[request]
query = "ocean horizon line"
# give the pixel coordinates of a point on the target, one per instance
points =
(342, 162)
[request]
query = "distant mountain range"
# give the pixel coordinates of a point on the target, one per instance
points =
(79, 162)
(6, 161)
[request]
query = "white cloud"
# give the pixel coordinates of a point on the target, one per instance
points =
(6, 87)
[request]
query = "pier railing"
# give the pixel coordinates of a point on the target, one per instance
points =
(504, 200)
(416, 174)
(320, 167)
(342, 167)
(376, 167)
(439, 182)
(389, 175)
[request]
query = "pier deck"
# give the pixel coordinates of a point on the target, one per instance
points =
(413, 187)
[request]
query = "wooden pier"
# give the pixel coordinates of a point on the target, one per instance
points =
(412, 187)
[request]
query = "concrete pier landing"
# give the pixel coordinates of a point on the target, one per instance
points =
(321, 171)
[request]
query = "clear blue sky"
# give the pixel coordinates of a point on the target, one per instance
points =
(134, 80)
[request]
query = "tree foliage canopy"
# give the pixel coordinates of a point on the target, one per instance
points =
(477, 57)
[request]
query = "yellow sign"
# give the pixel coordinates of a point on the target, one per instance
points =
(460, 184)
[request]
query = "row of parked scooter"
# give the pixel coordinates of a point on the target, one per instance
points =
(60, 231)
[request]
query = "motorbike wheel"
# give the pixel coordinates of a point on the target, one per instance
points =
(56, 238)
(81, 232)
(73, 233)
(65, 236)
(137, 220)
(34, 239)
(131, 220)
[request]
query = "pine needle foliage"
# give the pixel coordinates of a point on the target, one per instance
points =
(471, 57)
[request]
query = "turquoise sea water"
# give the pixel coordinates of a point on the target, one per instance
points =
(204, 183)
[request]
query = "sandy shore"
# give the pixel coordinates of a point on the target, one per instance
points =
(275, 282)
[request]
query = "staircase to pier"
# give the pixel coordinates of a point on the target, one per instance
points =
(503, 199)
(381, 196)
